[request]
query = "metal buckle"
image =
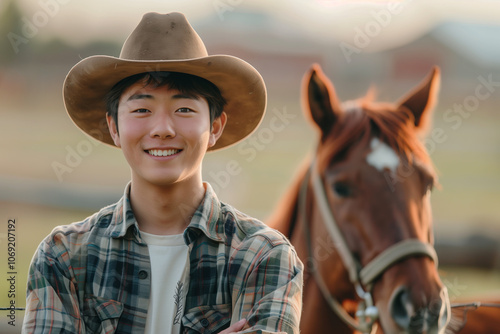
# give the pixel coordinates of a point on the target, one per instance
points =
(367, 313)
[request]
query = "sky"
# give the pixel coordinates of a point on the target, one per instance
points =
(80, 21)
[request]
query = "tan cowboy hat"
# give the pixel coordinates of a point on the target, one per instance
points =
(165, 42)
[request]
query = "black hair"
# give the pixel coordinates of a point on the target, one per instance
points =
(184, 83)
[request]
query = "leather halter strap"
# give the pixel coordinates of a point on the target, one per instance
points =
(350, 263)
(335, 306)
(393, 254)
(357, 274)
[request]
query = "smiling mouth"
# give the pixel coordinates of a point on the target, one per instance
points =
(162, 153)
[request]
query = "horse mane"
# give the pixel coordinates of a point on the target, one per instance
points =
(287, 208)
(364, 119)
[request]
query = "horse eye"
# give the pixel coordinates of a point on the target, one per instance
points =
(342, 189)
(429, 183)
(429, 187)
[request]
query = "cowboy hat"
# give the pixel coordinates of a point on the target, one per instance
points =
(165, 42)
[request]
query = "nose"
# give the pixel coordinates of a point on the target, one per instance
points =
(412, 318)
(162, 127)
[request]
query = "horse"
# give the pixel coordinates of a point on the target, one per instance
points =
(359, 214)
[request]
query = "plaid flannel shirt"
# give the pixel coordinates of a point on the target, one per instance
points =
(94, 276)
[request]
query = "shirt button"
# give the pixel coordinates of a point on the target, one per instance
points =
(205, 322)
(143, 274)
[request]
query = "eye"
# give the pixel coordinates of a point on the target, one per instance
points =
(141, 111)
(184, 110)
(342, 189)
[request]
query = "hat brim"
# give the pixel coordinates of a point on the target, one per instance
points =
(88, 82)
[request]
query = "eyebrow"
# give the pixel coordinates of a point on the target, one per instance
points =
(141, 96)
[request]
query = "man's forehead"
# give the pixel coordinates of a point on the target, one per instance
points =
(143, 91)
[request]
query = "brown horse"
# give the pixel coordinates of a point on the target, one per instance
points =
(360, 218)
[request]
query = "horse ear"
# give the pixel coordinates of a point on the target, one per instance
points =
(320, 101)
(422, 99)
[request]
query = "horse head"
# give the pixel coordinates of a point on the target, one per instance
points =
(376, 178)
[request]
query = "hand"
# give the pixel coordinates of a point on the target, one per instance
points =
(235, 327)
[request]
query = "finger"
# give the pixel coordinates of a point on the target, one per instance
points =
(234, 327)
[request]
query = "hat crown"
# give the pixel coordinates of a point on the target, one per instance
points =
(163, 37)
(165, 42)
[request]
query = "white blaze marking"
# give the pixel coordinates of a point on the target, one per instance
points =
(382, 156)
(351, 105)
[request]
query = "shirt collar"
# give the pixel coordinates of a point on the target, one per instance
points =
(123, 218)
(205, 219)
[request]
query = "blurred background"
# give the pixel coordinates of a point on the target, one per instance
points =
(52, 174)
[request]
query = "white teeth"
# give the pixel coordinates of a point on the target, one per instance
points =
(163, 153)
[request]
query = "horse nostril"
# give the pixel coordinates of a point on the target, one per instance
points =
(401, 307)
(431, 318)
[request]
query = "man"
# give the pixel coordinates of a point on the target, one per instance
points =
(168, 257)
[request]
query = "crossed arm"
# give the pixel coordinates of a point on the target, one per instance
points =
(233, 329)
(269, 294)
(268, 299)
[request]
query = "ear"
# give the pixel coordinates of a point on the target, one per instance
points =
(320, 101)
(422, 99)
(113, 129)
(217, 128)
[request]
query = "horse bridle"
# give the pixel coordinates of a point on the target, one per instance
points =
(367, 313)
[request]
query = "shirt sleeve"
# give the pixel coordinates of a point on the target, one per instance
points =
(270, 295)
(51, 301)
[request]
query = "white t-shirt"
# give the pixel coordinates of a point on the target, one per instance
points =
(169, 259)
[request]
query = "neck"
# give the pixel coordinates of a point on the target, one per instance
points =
(165, 209)
(317, 316)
